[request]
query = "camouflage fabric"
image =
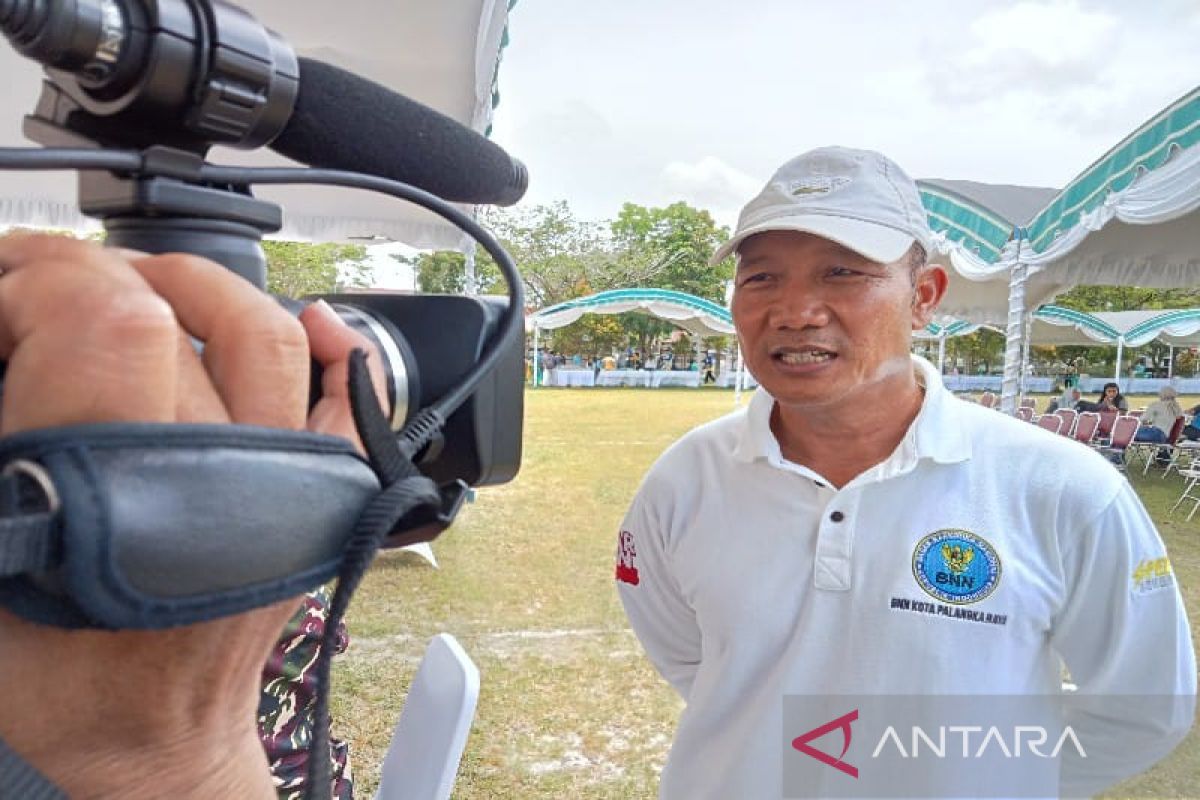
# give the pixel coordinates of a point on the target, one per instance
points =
(289, 699)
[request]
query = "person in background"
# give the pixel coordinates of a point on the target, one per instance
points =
(1159, 417)
(1069, 399)
(1191, 431)
(1111, 400)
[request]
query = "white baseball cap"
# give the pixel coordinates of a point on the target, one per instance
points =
(857, 198)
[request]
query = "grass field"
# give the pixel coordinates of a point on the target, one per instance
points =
(569, 708)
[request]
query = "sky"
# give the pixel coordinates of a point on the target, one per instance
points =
(697, 100)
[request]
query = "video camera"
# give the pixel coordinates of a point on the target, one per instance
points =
(139, 90)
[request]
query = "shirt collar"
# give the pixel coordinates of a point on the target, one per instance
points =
(936, 434)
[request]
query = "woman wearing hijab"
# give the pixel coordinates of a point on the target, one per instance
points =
(1160, 417)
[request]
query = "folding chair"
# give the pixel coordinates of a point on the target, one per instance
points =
(1068, 417)
(422, 761)
(1183, 451)
(1051, 422)
(1029, 402)
(1192, 474)
(987, 400)
(1104, 430)
(1124, 429)
(1152, 450)
(1025, 414)
(1086, 427)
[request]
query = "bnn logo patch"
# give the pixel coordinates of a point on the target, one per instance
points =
(956, 566)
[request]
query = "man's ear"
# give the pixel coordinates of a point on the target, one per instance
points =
(929, 287)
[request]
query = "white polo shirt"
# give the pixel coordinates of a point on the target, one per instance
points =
(748, 578)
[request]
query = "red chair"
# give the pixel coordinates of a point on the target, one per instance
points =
(1025, 414)
(1029, 402)
(1107, 420)
(1086, 427)
(1123, 431)
(1155, 450)
(1051, 422)
(987, 400)
(1068, 417)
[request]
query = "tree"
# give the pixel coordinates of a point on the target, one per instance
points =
(669, 248)
(295, 269)
(445, 272)
(592, 335)
(1126, 298)
(559, 256)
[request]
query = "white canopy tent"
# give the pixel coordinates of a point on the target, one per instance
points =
(1131, 218)
(445, 55)
(1057, 326)
(696, 315)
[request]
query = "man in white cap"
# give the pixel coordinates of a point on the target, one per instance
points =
(859, 531)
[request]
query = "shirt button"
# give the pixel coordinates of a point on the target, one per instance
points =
(837, 516)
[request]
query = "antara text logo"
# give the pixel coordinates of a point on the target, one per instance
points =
(943, 741)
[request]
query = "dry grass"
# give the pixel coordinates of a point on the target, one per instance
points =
(569, 707)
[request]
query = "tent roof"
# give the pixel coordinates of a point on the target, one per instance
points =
(1131, 218)
(1014, 204)
(445, 55)
(1055, 325)
(1149, 147)
(694, 314)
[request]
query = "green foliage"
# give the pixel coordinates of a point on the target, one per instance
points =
(981, 352)
(1126, 298)
(561, 257)
(295, 269)
(445, 272)
(669, 248)
(591, 335)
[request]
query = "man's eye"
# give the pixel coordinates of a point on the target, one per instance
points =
(841, 272)
(754, 277)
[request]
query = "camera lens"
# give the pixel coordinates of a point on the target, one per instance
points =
(399, 363)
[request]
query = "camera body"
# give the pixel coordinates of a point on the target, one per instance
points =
(481, 442)
(170, 78)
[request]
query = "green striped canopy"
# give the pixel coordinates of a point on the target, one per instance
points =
(1175, 128)
(980, 231)
(694, 314)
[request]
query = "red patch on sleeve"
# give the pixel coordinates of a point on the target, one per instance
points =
(627, 559)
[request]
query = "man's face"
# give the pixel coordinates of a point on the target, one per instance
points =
(818, 322)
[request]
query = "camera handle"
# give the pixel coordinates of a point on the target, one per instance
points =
(163, 207)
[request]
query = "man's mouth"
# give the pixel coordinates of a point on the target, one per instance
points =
(802, 357)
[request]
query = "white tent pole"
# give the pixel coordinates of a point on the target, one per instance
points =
(1120, 350)
(1171, 361)
(1026, 341)
(740, 380)
(537, 358)
(472, 286)
(1012, 342)
(942, 353)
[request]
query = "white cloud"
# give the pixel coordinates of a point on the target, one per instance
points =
(1043, 47)
(712, 184)
(1056, 34)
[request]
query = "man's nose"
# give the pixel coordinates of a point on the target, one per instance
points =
(797, 310)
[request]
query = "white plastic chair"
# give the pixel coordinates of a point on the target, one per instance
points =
(427, 744)
(424, 550)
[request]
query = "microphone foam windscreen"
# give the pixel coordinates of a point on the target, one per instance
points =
(343, 121)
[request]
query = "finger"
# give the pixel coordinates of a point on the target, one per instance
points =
(331, 342)
(85, 337)
(196, 399)
(255, 353)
